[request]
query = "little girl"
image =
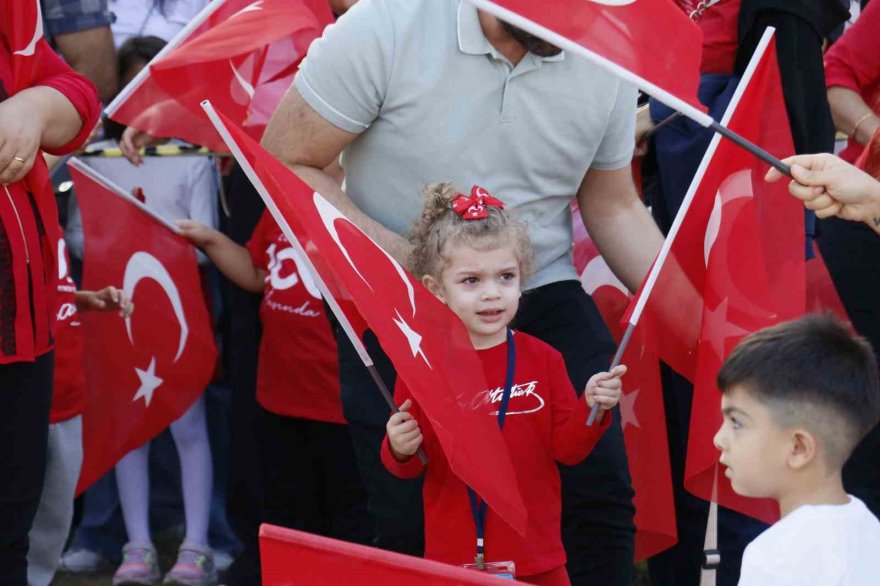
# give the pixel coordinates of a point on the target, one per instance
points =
(474, 257)
(310, 479)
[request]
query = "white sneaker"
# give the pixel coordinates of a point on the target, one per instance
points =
(222, 560)
(82, 561)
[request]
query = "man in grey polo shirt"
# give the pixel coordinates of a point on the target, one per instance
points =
(416, 91)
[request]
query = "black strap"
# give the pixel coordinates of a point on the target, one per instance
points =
(478, 507)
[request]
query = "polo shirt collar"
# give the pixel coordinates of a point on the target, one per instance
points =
(471, 39)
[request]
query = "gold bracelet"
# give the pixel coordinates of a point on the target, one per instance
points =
(858, 123)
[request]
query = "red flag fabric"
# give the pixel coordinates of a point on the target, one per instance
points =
(294, 558)
(869, 160)
(821, 293)
(241, 54)
(651, 43)
(427, 343)
(145, 371)
(733, 264)
(641, 406)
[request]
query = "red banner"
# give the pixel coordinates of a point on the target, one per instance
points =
(294, 558)
(144, 371)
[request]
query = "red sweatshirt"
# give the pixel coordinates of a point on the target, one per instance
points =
(28, 217)
(545, 424)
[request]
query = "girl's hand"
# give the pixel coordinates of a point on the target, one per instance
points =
(107, 299)
(196, 232)
(605, 388)
(404, 434)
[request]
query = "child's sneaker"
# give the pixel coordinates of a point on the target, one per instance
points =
(82, 561)
(194, 567)
(140, 566)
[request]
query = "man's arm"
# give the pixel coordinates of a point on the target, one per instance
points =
(91, 52)
(304, 141)
(619, 224)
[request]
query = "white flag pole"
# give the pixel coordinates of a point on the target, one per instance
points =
(115, 189)
(686, 203)
(294, 241)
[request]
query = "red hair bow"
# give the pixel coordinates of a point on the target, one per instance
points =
(473, 207)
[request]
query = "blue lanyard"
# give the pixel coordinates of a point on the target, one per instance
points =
(478, 507)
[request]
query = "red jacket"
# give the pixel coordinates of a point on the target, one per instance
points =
(28, 216)
(545, 425)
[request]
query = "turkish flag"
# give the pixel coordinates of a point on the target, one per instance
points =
(641, 407)
(145, 371)
(295, 558)
(733, 263)
(241, 54)
(650, 42)
(821, 293)
(427, 343)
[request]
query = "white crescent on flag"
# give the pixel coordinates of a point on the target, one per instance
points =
(329, 214)
(143, 265)
(38, 34)
(597, 274)
(736, 186)
(613, 2)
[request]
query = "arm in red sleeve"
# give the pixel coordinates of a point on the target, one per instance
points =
(853, 61)
(79, 91)
(573, 439)
(413, 466)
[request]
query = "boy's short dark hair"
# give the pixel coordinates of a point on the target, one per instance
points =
(811, 372)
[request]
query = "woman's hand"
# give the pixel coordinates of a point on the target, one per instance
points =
(605, 388)
(20, 133)
(404, 434)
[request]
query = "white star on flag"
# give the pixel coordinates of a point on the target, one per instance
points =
(628, 409)
(149, 382)
(413, 337)
(720, 329)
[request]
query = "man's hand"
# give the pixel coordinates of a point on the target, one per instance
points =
(644, 125)
(107, 299)
(605, 388)
(404, 434)
(833, 187)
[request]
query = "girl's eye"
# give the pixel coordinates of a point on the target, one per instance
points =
(469, 280)
(508, 276)
(734, 423)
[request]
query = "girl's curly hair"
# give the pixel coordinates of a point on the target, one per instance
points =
(440, 224)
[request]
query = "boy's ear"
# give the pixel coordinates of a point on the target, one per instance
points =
(433, 286)
(804, 449)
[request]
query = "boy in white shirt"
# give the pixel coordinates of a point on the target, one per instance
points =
(798, 397)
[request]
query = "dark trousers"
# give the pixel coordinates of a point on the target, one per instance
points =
(310, 479)
(25, 399)
(852, 253)
(597, 511)
(395, 504)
